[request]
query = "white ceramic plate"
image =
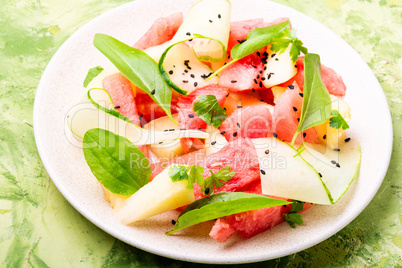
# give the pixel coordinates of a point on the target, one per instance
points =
(61, 87)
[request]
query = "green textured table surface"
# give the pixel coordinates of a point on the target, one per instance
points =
(39, 228)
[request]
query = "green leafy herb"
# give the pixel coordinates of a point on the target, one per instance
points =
(293, 217)
(220, 205)
(208, 109)
(191, 173)
(178, 172)
(337, 121)
(280, 45)
(316, 106)
(92, 73)
(279, 35)
(117, 163)
(137, 67)
(195, 176)
(217, 180)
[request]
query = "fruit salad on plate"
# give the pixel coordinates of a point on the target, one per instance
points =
(232, 122)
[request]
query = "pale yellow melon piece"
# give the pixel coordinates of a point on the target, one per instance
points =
(156, 197)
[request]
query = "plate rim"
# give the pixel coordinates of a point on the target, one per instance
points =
(81, 209)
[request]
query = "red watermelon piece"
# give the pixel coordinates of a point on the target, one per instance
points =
(247, 122)
(161, 31)
(121, 92)
(149, 110)
(243, 75)
(332, 81)
(286, 114)
(187, 117)
(240, 155)
(250, 223)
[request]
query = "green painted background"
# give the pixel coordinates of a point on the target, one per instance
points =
(39, 228)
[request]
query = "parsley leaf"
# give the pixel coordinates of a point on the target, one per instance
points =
(178, 172)
(217, 179)
(293, 218)
(92, 73)
(281, 44)
(208, 109)
(195, 176)
(191, 173)
(337, 121)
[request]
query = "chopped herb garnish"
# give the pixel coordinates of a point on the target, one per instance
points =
(208, 109)
(293, 217)
(337, 121)
(217, 180)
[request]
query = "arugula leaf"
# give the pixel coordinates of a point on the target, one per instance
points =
(208, 109)
(110, 158)
(217, 180)
(137, 67)
(337, 121)
(293, 217)
(316, 106)
(92, 73)
(220, 205)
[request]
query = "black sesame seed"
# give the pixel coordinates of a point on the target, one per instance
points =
(253, 89)
(337, 150)
(295, 66)
(224, 109)
(254, 66)
(304, 134)
(265, 68)
(284, 206)
(238, 125)
(223, 132)
(260, 84)
(265, 54)
(153, 91)
(260, 72)
(273, 55)
(276, 59)
(337, 165)
(320, 175)
(291, 86)
(295, 109)
(263, 78)
(210, 21)
(219, 16)
(172, 129)
(213, 143)
(301, 95)
(347, 139)
(166, 130)
(333, 162)
(192, 75)
(235, 134)
(170, 72)
(275, 135)
(239, 106)
(324, 137)
(188, 33)
(258, 76)
(141, 116)
(298, 119)
(258, 54)
(227, 95)
(206, 191)
(255, 81)
(160, 142)
(267, 151)
(117, 107)
(269, 75)
(195, 84)
(262, 172)
(185, 81)
(186, 71)
(233, 81)
(191, 115)
(173, 222)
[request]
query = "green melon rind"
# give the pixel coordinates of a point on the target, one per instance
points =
(165, 75)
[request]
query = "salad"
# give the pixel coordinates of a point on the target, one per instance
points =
(235, 122)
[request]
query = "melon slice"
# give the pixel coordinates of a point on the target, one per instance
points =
(279, 68)
(158, 196)
(167, 149)
(94, 111)
(215, 142)
(312, 176)
(211, 19)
